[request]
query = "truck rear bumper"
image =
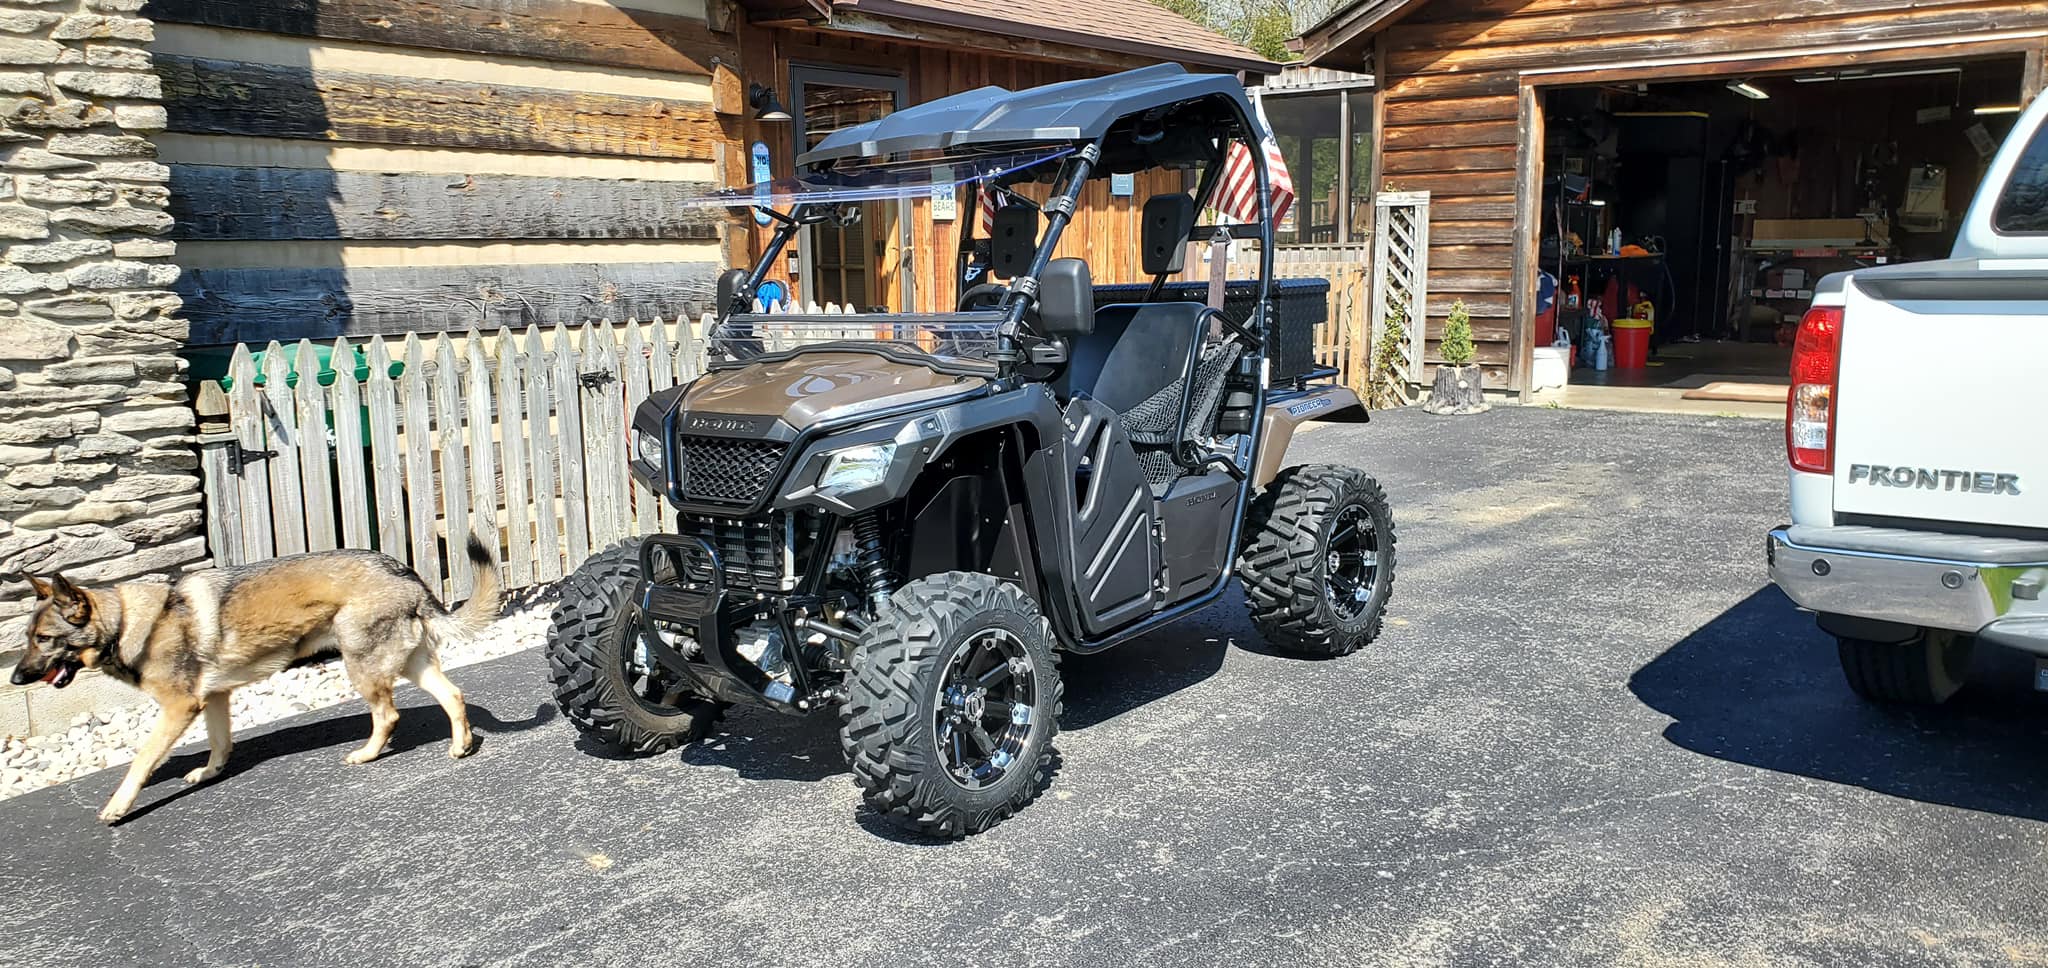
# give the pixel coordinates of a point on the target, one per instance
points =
(1991, 587)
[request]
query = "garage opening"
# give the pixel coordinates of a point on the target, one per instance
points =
(1685, 223)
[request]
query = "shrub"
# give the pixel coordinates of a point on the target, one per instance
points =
(1457, 345)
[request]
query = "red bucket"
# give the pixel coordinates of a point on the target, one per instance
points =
(1631, 343)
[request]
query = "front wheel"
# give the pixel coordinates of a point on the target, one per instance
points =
(1924, 670)
(1318, 561)
(602, 681)
(954, 703)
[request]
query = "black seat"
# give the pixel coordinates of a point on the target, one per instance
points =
(1141, 363)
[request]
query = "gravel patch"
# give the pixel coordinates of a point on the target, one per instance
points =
(103, 738)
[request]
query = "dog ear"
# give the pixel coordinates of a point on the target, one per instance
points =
(70, 600)
(43, 589)
(65, 589)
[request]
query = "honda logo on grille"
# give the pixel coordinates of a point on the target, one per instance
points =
(710, 423)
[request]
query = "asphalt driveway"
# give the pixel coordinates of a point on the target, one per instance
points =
(1591, 735)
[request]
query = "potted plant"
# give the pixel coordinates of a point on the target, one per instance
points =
(1458, 379)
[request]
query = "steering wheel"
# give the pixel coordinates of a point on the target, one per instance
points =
(986, 295)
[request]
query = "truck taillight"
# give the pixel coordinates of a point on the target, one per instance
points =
(1810, 410)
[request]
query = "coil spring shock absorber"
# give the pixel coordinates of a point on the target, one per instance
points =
(874, 564)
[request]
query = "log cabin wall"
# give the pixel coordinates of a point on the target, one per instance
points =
(381, 166)
(1459, 117)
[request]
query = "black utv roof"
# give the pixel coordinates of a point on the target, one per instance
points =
(1067, 111)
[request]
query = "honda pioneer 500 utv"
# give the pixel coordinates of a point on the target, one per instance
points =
(903, 518)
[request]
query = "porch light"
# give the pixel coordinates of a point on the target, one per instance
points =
(767, 107)
(1748, 90)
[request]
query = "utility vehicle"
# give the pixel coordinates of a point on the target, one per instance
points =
(903, 518)
(1919, 482)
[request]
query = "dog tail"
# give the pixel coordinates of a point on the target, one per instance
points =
(483, 605)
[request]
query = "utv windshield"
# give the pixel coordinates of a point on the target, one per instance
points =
(887, 181)
(838, 217)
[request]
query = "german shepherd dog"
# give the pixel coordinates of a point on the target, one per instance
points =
(190, 644)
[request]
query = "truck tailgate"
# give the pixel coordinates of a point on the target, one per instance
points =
(1942, 404)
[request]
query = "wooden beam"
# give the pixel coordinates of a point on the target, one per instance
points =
(1450, 110)
(1399, 137)
(262, 100)
(1941, 25)
(2034, 76)
(1499, 181)
(967, 39)
(1556, 24)
(1422, 87)
(243, 305)
(728, 92)
(1522, 279)
(1772, 62)
(553, 30)
(211, 202)
(1497, 255)
(1418, 161)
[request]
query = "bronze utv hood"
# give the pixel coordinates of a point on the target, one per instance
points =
(809, 388)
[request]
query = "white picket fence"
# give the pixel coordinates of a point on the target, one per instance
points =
(517, 438)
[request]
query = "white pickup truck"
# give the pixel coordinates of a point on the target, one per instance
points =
(1917, 433)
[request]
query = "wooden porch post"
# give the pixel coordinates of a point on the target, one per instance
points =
(1528, 196)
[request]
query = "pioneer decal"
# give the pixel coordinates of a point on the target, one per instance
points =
(1307, 407)
(1934, 479)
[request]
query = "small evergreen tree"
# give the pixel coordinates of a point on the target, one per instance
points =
(1457, 345)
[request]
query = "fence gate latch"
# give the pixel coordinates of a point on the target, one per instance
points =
(595, 380)
(240, 457)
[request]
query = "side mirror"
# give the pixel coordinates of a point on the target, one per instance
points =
(730, 283)
(1066, 298)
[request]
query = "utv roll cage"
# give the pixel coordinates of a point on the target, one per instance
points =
(1155, 117)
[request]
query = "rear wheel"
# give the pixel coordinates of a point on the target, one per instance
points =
(1924, 670)
(954, 703)
(1318, 562)
(603, 681)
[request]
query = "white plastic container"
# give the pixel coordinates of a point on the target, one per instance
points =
(1552, 367)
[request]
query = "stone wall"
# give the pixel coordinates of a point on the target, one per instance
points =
(98, 469)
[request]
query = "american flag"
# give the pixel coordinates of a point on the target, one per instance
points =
(984, 211)
(1238, 196)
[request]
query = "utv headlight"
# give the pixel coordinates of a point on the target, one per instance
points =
(856, 467)
(647, 447)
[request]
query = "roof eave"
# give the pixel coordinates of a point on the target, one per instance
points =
(919, 13)
(1338, 39)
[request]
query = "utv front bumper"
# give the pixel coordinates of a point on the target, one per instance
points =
(690, 620)
(1990, 587)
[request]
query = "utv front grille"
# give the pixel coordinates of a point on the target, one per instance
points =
(723, 470)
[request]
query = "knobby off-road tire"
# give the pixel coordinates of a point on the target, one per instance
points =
(590, 638)
(1288, 563)
(900, 728)
(1924, 670)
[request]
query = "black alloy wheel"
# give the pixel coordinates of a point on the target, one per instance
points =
(987, 705)
(1352, 572)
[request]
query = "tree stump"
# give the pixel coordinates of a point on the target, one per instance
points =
(1457, 390)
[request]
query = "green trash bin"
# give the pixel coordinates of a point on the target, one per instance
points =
(213, 363)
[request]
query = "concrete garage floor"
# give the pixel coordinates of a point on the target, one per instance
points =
(1591, 735)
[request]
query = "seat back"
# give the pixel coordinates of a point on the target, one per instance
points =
(1136, 351)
